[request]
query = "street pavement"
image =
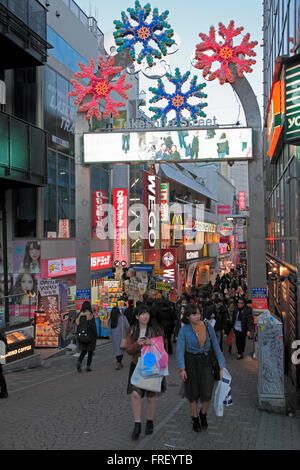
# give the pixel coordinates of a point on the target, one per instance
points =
(53, 407)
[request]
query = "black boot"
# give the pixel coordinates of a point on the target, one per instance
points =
(196, 424)
(136, 431)
(149, 427)
(203, 420)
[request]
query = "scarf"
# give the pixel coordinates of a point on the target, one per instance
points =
(200, 331)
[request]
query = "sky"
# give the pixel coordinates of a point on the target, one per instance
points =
(188, 18)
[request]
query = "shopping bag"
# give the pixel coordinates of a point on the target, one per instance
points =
(223, 394)
(154, 358)
(230, 338)
(152, 383)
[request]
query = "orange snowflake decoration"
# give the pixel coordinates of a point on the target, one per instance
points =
(99, 87)
(225, 53)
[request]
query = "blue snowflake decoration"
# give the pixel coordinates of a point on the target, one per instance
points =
(128, 36)
(178, 101)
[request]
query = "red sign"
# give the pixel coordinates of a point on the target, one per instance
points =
(224, 209)
(260, 304)
(121, 252)
(100, 260)
(242, 200)
(168, 264)
(243, 245)
(151, 201)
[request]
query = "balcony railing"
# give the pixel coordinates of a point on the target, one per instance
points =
(88, 21)
(30, 12)
(23, 151)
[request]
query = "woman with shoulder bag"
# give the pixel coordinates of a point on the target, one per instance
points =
(139, 335)
(86, 335)
(197, 346)
(118, 325)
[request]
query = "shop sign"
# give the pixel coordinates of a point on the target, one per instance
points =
(224, 210)
(222, 248)
(164, 202)
(292, 100)
(192, 255)
(121, 253)
(205, 227)
(243, 245)
(168, 263)
(82, 295)
(48, 287)
(19, 345)
(163, 286)
(100, 260)
(63, 228)
(61, 267)
(226, 229)
(150, 197)
(99, 199)
(274, 117)
(48, 318)
(242, 200)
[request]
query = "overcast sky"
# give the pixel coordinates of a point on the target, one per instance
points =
(188, 18)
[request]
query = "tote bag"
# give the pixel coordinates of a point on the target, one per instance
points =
(152, 384)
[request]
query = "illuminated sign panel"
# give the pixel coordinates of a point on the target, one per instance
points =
(292, 97)
(121, 253)
(274, 120)
(184, 145)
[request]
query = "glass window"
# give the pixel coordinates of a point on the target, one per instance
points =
(50, 197)
(25, 213)
(72, 198)
(60, 47)
(63, 188)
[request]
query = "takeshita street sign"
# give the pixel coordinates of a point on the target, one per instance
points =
(161, 145)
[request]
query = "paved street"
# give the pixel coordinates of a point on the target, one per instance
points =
(53, 407)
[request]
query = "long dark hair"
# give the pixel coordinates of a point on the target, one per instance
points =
(114, 317)
(86, 306)
(27, 258)
(152, 327)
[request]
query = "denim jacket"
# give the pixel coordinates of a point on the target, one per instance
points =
(188, 341)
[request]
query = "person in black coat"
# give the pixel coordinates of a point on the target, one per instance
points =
(129, 313)
(3, 387)
(86, 316)
(163, 312)
(242, 324)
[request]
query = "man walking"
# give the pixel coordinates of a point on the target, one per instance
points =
(243, 324)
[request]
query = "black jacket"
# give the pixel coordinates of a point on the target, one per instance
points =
(246, 318)
(163, 313)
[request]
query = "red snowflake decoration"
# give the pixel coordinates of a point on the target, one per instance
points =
(100, 87)
(225, 53)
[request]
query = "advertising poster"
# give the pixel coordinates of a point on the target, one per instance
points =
(48, 318)
(169, 265)
(99, 201)
(82, 295)
(27, 257)
(151, 202)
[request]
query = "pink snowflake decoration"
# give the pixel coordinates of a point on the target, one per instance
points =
(225, 53)
(100, 87)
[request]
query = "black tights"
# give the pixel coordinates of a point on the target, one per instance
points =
(119, 358)
(89, 359)
(2, 381)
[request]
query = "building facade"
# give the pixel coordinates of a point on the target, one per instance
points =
(282, 169)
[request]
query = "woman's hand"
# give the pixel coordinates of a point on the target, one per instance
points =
(183, 375)
(221, 374)
(142, 341)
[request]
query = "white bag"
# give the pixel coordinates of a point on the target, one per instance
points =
(222, 393)
(152, 383)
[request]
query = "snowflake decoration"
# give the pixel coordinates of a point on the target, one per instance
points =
(225, 53)
(128, 36)
(178, 101)
(99, 87)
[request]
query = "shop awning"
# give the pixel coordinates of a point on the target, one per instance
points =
(175, 174)
(103, 273)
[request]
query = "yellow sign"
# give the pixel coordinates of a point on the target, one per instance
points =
(162, 286)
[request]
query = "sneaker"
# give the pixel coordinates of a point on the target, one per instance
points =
(149, 427)
(3, 395)
(88, 369)
(136, 431)
(196, 424)
(203, 420)
(76, 355)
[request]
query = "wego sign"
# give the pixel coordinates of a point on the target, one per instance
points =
(151, 188)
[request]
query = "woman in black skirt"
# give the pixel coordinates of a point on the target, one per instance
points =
(138, 335)
(194, 359)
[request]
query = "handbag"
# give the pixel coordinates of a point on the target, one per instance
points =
(123, 343)
(151, 384)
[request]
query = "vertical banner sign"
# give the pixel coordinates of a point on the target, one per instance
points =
(292, 99)
(64, 228)
(164, 202)
(169, 264)
(99, 199)
(242, 200)
(48, 318)
(121, 252)
(151, 201)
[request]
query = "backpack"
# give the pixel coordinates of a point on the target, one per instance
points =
(83, 331)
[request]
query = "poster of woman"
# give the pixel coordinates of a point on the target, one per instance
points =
(27, 257)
